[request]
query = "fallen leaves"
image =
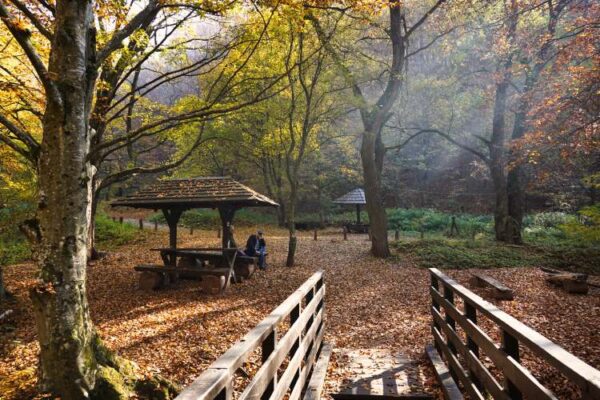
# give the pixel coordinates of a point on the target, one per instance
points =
(370, 303)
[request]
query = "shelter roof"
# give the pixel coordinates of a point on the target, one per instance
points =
(204, 192)
(357, 196)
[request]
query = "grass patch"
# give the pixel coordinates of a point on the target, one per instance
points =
(14, 249)
(209, 219)
(465, 254)
(111, 234)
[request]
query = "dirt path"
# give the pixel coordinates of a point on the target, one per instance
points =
(179, 331)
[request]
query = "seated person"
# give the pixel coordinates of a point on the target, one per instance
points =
(256, 246)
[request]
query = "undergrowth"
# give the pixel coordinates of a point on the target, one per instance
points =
(110, 234)
(485, 253)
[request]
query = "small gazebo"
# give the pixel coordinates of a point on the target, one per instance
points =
(174, 196)
(355, 197)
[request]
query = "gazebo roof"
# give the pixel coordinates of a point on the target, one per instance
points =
(357, 196)
(205, 192)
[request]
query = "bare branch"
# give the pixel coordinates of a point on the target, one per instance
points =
(22, 37)
(33, 18)
(142, 18)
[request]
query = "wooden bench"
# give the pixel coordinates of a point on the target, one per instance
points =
(500, 291)
(571, 282)
(292, 364)
(153, 277)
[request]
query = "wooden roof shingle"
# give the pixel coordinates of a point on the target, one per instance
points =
(356, 196)
(205, 192)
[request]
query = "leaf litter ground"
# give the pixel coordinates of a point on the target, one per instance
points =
(370, 304)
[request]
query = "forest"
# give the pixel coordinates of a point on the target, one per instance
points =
(468, 129)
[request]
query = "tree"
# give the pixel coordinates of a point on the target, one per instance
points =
(374, 115)
(73, 361)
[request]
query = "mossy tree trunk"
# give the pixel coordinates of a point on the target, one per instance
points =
(73, 363)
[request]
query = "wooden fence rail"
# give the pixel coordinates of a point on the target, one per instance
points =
(300, 345)
(464, 356)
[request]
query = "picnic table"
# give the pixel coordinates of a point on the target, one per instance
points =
(214, 265)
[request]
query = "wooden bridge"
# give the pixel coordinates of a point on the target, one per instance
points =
(293, 360)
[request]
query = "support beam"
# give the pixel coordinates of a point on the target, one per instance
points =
(172, 216)
(227, 213)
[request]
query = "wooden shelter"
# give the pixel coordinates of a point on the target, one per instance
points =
(355, 197)
(174, 196)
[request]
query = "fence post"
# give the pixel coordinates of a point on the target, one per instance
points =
(219, 233)
(510, 345)
(155, 226)
(141, 222)
(345, 232)
(315, 236)
(120, 220)
(435, 285)
(268, 346)
(191, 230)
(294, 316)
(449, 295)
(471, 314)
(397, 235)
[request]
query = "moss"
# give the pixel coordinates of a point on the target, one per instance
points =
(156, 388)
(110, 385)
(118, 378)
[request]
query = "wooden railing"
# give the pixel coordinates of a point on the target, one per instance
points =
(464, 357)
(299, 347)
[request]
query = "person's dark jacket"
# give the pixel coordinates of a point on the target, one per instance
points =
(251, 245)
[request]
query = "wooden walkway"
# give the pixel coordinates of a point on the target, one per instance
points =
(378, 374)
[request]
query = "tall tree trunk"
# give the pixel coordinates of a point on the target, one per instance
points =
(505, 228)
(373, 193)
(497, 163)
(68, 364)
(92, 253)
(515, 177)
(3, 292)
(291, 220)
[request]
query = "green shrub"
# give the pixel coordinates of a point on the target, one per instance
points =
(208, 218)
(432, 221)
(14, 249)
(587, 227)
(551, 219)
(464, 254)
(110, 233)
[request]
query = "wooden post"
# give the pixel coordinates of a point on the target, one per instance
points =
(219, 233)
(294, 315)
(172, 216)
(155, 226)
(120, 220)
(268, 346)
(315, 236)
(345, 232)
(436, 306)
(227, 214)
(396, 234)
(471, 314)
(510, 345)
(449, 295)
(141, 223)
(191, 230)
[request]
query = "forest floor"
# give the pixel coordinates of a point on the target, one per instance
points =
(370, 303)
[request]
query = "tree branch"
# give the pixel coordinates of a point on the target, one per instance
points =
(33, 18)
(142, 18)
(22, 37)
